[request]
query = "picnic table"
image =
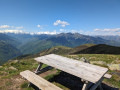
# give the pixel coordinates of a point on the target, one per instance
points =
(92, 75)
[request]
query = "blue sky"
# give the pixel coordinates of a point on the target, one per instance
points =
(91, 17)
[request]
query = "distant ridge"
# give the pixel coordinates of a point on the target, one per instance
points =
(81, 47)
(100, 49)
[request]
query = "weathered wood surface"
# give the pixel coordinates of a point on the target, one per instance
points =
(80, 69)
(107, 76)
(38, 81)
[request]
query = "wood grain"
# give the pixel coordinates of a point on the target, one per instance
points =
(38, 81)
(80, 69)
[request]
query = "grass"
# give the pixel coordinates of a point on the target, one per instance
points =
(28, 64)
(48, 77)
(99, 57)
(31, 64)
(61, 86)
(24, 86)
(106, 59)
(8, 83)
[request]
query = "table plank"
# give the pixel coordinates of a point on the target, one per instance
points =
(80, 69)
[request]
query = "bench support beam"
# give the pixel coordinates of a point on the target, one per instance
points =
(39, 67)
(97, 84)
(44, 70)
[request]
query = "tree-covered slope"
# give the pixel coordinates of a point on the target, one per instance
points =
(7, 52)
(9, 40)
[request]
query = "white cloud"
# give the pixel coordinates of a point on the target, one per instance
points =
(12, 31)
(61, 23)
(23, 32)
(108, 30)
(74, 31)
(62, 30)
(47, 32)
(38, 26)
(4, 26)
(12, 27)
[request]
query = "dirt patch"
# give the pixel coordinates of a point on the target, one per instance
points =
(15, 82)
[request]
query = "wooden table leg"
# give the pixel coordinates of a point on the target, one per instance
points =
(39, 67)
(97, 84)
(85, 86)
(100, 87)
(37, 70)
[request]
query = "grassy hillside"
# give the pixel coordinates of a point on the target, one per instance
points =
(80, 48)
(100, 49)
(10, 78)
(61, 50)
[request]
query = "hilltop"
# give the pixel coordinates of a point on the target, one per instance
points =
(80, 48)
(61, 50)
(100, 49)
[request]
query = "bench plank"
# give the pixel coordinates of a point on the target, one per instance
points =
(38, 81)
(107, 76)
(80, 69)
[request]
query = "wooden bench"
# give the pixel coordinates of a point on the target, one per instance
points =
(91, 75)
(38, 81)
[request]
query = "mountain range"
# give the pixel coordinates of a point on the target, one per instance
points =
(21, 44)
(42, 42)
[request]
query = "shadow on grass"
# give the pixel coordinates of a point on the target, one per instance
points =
(73, 82)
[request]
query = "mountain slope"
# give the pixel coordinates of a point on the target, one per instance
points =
(110, 37)
(7, 52)
(9, 40)
(80, 48)
(100, 49)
